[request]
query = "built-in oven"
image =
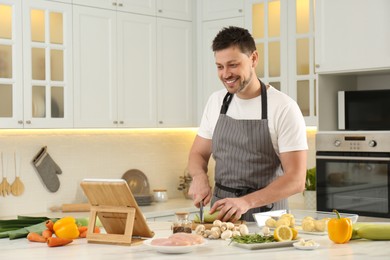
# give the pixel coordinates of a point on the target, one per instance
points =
(353, 172)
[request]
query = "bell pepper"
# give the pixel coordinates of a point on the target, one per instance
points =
(66, 228)
(339, 229)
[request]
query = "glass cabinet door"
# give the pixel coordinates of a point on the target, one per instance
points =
(284, 35)
(47, 71)
(11, 109)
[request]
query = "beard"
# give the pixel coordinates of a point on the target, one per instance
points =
(245, 83)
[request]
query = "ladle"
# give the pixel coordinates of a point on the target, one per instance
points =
(17, 187)
(5, 187)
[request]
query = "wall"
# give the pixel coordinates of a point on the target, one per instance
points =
(160, 153)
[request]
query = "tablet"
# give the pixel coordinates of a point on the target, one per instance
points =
(107, 197)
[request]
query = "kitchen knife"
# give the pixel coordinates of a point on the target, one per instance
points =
(201, 211)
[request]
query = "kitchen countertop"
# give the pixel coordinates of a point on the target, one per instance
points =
(217, 249)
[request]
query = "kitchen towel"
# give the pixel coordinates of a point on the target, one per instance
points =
(47, 169)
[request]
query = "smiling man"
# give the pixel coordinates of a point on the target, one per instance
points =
(255, 133)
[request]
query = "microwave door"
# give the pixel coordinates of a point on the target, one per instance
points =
(341, 110)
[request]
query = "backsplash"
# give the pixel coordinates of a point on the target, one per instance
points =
(162, 154)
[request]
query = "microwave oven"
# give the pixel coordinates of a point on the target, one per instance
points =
(364, 110)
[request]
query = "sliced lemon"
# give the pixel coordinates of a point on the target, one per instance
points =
(295, 233)
(283, 233)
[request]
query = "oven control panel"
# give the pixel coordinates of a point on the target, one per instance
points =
(353, 142)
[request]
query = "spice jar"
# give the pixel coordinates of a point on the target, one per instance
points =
(160, 195)
(182, 223)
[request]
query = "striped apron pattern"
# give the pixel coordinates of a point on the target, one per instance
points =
(245, 158)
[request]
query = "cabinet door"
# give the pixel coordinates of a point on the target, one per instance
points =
(178, 9)
(95, 67)
(174, 75)
(221, 9)
(352, 35)
(137, 103)
(209, 81)
(48, 88)
(11, 88)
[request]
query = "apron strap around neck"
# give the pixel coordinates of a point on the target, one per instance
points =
(226, 102)
(264, 112)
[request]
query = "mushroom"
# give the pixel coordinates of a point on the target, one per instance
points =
(236, 233)
(217, 223)
(229, 225)
(223, 226)
(200, 229)
(226, 234)
(214, 234)
(265, 230)
(243, 229)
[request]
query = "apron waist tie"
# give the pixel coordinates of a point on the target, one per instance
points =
(237, 192)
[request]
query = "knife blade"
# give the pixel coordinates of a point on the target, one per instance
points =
(201, 211)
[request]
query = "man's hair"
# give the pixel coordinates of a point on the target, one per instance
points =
(234, 36)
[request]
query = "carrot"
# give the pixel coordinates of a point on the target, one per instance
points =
(47, 233)
(96, 230)
(82, 229)
(56, 241)
(35, 237)
(83, 234)
(49, 224)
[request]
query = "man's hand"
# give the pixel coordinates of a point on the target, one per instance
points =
(230, 209)
(200, 189)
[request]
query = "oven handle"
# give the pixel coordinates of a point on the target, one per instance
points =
(385, 159)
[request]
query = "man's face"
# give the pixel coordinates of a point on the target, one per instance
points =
(235, 69)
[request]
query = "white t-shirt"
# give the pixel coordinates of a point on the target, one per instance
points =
(285, 120)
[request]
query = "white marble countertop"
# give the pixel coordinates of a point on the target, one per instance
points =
(216, 249)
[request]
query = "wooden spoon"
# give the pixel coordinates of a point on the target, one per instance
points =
(5, 187)
(17, 187)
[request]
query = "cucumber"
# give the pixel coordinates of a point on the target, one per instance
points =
(374, 231)
(207, 217)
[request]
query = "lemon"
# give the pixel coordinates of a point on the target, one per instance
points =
(283, 233)
(295, 233)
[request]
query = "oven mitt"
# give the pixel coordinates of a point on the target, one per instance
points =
(47, 169)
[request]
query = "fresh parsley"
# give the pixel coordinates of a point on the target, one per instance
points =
(253, 239)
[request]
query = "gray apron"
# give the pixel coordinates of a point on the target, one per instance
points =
(245, 157)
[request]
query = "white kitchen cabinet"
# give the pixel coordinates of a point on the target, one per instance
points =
(221, 9)
(352, 35)
(284, 34)
(45, 98)
(176, 9)
(174, 73)
(210, 82)
(147, 7)
(115, 82)
(11, 70)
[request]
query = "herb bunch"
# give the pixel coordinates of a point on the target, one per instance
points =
(253, 239)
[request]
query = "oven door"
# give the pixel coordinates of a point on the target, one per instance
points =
(353, 182)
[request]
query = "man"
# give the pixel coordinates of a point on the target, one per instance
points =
(255, 133)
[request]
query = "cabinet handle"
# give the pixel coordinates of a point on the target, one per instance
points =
(160, 122)
(240, 10)
(115, 122)
(120, 4)
(114, 3)
(121, 122)
(159, 10)
(317, 66)
(28, 122)
(20, 122)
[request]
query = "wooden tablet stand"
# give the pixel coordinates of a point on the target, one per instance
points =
(113, 203)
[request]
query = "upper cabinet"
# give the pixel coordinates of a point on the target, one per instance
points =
(174, 73)
(114, 72)
(136, 6)
(352, 35)
(221, 9)
(131, 70)
(11, 79)
(44, 99)
(177, 9)
(284, 36)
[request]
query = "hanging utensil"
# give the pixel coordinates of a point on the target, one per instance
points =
(5, 187)
(17, 187)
